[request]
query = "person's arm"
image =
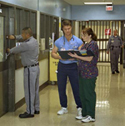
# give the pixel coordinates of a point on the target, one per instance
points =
(121, 43)
(93, 48)
(21, 48)
(88, 58)
(108, 45)
(80, 46)
(17, 37)
(54, 53)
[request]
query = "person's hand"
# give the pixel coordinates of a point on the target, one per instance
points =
(11, 37)
(73, 55)
(7, 50)
(122, 46)
(107, 52)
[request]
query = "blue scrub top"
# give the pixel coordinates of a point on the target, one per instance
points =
(63, 44)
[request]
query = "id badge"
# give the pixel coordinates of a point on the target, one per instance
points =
(83, 52)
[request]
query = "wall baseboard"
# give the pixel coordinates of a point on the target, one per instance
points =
(22, 101)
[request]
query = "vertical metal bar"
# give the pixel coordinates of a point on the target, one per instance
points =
(99, 38)
(94, 26)
(102, 38)
(105, 42)
(121, 55)
(79, 28)
(115, 24)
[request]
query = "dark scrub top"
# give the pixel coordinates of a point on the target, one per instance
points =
(88, 69)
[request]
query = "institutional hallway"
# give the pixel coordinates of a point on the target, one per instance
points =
(110, 106)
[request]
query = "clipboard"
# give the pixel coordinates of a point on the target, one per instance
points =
(64, 54)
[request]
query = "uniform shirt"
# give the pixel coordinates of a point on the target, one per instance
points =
(63, 44)
(28, 50)
(89, 69)
(114, 41)
(18, 37)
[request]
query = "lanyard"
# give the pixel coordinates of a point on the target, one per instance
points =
(64, 39)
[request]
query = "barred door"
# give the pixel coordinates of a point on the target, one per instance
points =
(102, 39)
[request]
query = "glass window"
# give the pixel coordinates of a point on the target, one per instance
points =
(1, 38)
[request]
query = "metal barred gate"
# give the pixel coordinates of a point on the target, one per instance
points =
(102, 39)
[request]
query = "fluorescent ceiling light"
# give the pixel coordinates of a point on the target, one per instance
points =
(97, 2)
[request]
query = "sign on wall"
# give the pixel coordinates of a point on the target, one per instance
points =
(109, 8)
(107, 31)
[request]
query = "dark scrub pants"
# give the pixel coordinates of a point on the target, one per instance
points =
(88, 96)
(71, 71)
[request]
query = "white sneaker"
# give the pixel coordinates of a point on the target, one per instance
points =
(88, 119)
(79, 113)
(62, 111)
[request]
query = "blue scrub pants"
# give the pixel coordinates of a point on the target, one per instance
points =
(71, 71)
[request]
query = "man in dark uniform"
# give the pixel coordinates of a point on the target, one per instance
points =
(29, 57)
(114, 45)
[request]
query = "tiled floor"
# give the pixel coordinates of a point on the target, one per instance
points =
(110, 107)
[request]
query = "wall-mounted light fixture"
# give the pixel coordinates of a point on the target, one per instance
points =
(0, 10)
(64, 9)
(97, 3)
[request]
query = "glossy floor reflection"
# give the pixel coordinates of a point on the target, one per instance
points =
(110, 107)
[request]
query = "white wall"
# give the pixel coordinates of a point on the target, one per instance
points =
(19, 88)
(43, 71)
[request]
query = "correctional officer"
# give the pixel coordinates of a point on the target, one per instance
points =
(29, 57)
(67, 68)
(114, 45)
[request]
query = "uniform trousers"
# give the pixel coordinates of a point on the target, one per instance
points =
(71, 71)
(114, 56)
(31, 88)
(88, 96)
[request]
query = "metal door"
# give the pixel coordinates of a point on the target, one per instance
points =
(7, 71)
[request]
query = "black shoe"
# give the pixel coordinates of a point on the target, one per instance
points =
(26, 115)
(117, 71)
(113, 72)
(37, 112)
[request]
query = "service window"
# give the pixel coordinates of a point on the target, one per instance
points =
(1, 39)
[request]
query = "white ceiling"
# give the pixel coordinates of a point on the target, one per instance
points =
(81, 2)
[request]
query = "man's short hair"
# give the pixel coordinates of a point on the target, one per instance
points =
(28, 30)
(66, 23)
